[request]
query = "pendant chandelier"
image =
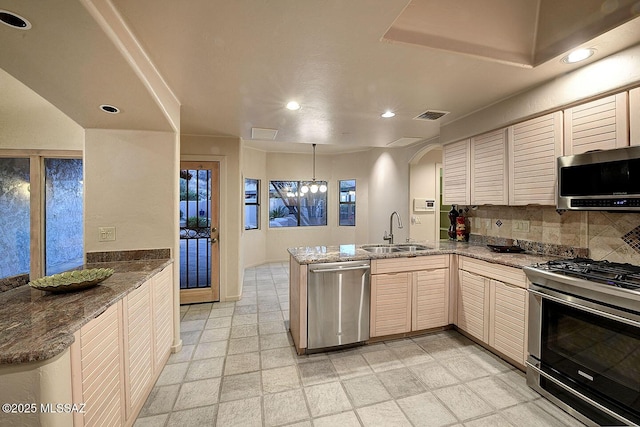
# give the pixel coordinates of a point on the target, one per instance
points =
(313, 185)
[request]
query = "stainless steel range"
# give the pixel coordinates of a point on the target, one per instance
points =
(584, 338)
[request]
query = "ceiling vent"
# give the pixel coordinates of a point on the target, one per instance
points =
(265, 134)
(431, 115)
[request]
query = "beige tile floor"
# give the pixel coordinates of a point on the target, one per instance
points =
(238, 368)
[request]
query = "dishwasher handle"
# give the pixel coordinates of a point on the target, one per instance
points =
(338, 269)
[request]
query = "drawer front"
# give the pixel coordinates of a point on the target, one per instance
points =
(396, 265)
(503, 273)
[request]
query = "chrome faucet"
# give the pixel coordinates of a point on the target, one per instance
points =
(389, 237)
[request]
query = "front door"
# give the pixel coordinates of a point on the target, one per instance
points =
(199, 224)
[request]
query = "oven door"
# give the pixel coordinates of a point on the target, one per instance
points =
(586, 355)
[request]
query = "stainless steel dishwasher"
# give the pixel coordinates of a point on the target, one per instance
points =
(338, 299)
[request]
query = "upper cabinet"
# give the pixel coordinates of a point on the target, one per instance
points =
(489, 178)
(597, 125)
(456, 172)
(634, 115)
(534, 146)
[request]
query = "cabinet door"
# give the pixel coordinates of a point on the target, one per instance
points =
(507, 323)
(430, 299)
(138, 350)
(534, 147)
(597, 125)
(489, 179)
(456, 173)
(634, 116)
(390, 304)
(473, 305)
(96, 366)
(162, 298)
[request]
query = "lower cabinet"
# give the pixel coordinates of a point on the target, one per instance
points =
(117, 357)
(409, 294)
(492, 306)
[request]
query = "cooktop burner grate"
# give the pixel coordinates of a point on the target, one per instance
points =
(609, 273)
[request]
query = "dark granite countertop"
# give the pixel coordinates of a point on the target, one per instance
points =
(37, 325)
(319, 254)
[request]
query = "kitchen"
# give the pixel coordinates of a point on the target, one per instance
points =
(140, 144)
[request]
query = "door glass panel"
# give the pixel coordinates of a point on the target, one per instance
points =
(14, 217)
(64, 245)
(195, 228)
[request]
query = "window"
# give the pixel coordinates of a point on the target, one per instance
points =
(58, 193)
(251, 204)
(289, 207)
(347, 202)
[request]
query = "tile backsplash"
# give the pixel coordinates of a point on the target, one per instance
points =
(611, 236)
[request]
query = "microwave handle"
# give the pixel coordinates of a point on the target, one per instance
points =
(587, 309)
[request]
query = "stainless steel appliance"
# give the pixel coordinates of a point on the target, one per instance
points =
(584, 338)
(600, 180)
(338, 300)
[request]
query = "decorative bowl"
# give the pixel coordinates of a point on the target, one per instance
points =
(71, 281)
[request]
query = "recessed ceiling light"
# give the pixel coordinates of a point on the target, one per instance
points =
(388, 114)
(578, 55)
(109, 109)
(293, 105)
(13, 20)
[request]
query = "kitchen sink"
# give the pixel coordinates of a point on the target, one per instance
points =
(381, 249)
(411, 247)
(387, 249)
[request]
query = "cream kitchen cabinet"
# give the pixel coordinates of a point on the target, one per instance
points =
(634, 116)
(489, 177)
(117, 357)
(492, 306)
(409, 294)
(456, 173)
(534, 146)
(597, 125)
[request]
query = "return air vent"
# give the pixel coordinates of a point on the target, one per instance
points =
(431, 115)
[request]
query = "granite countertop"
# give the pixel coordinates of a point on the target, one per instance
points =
(319, 254)
(37, 325)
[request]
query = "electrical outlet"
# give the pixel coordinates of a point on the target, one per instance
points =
(106, 234)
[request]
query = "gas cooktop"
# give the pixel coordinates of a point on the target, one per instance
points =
(609, 273)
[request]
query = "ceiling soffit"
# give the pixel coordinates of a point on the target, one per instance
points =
(524, 33)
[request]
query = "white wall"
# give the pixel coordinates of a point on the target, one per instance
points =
(28, 121)
(228, 152)
(254, 242)
(424, 183)
(130, 185)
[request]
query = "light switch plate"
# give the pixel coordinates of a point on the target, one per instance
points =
(106, 234)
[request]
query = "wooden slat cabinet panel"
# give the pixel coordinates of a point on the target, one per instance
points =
(298, 304)
(503, 273)
(489, 178)
(634, 116)
(162, 303)
(597, 125)
(473, 305)
(138, 354)
(96, 367)
(534, 146)
(430, 307)
(456, 173)
(508, 320)
(390, 304)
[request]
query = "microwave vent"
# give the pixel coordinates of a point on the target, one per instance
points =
(431, 115)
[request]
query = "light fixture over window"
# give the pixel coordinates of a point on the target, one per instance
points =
(578, 55)
(313, 186)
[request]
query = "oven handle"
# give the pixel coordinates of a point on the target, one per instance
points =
(587, 309)
(578, 394)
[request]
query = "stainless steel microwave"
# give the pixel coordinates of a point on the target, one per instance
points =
(607, 180)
